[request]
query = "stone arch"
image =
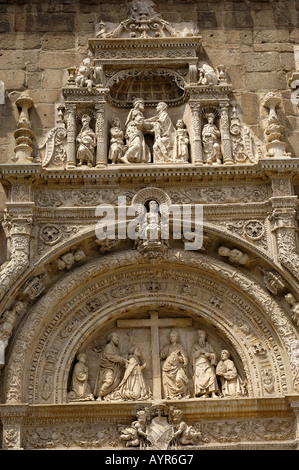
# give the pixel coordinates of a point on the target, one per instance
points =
(60, 323)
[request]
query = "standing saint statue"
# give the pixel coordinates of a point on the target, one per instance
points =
(86, 140)
(132, 385)
(174, 378)
(80, 389)
(137, 150)
(181, 153)
(210, 140)
(109, 368)
(232, 385)
(164, 132)
(203, 362)
(117, 147)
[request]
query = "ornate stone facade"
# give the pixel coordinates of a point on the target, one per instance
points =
(184, 336)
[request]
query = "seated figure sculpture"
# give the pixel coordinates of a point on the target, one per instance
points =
(86, 140)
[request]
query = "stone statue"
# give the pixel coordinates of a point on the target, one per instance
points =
(182, 433)
(232, 385)
(294, 307)
(163, 129)
(207, 75)
(181, 142)
(135, 435)
(137, 150)
(80, 389)
(117, 147)
(86, 143)
(132, 386)
(88, 76)
(234, 255)
(109, 368)
(210, 140)
(174, 378)
(7, 322)
(203, 363)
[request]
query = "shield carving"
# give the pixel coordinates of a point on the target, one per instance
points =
(159, 433)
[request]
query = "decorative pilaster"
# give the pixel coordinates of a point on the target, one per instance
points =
(284, 226)
(71, 136)
(12, 418)
(225, 135)
(101, 152)
(196, 147)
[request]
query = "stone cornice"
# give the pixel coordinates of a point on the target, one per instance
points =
(264, 169)
(193, 409)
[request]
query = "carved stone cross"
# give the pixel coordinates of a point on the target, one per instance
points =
(154, 323)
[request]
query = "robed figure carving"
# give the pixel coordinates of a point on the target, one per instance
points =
(174, 378)
(132, 385)
(164, 133)
(86, 140)
(231, 382)
(137, 150)
(80, 389)
(110, 368)
(203, 363)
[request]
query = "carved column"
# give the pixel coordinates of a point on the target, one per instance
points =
(71, 136)
(196, 147)
(12, 418)
(225, 135)
(19, 220)
(101, 154)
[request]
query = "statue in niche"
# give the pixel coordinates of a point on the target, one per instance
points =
(80, 389)
(203, 363)
(163, 129)
(132, 386)
(117, 147)
(210, 140)
(137, 150)
(207, 75)
(181, 142)
(231, 383)
(86, 140)
(174, 378)
(135, 435)
(182, 433)
(294, 307)
(109, 368)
